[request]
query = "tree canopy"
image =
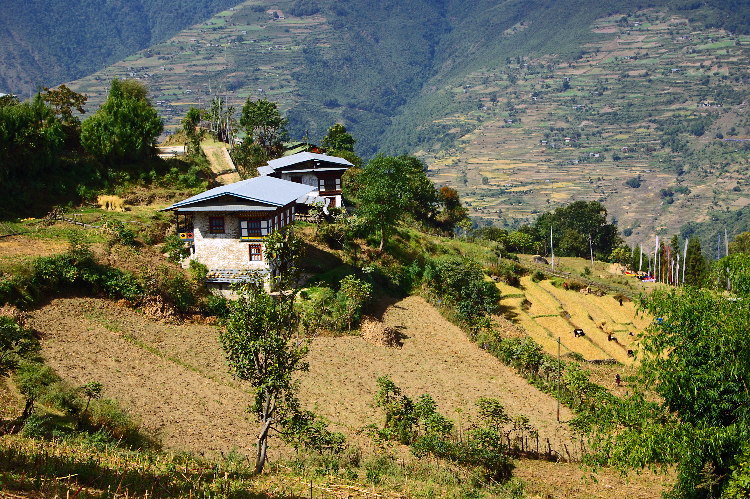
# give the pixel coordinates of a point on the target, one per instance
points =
(572, 225)
(338, 139)
(696, 358)
(125, 127)
(264, 126)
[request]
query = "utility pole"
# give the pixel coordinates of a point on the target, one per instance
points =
(551, 248)
(591, 249)
(559, 372)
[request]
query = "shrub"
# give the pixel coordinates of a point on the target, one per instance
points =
(353, 296)
(460, 284)
(119, 233)
(217, 306)
(538, 276)
(175, 248)
(508, 272)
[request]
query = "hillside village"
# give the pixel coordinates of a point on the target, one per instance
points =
(215, 302)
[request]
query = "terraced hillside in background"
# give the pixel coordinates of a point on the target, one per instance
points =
(661, 105)
(519, 123)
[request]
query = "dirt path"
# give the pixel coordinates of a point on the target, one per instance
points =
(220, 161)
(436, 358)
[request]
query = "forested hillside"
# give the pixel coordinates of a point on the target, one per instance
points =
(47, 42)
(521, 106)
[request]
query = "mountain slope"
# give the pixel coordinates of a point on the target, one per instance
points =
(47, 42)
(521, 106)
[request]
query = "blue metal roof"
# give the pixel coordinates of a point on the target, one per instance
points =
(267, 190)
(301, 157)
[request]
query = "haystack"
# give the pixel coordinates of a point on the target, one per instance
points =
(377, 333)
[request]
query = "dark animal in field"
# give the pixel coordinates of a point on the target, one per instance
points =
(578, 332)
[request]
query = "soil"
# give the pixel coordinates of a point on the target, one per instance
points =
(436, 358)
(174, 379)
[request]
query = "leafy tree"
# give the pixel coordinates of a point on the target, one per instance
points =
(740, 244)
(696, 268)
(453, 213)
(622, 255)
(338, 139)
(264, 125)
(260, 343)
(31, 139)
(696, 358)
(572, 225)
(64, 102)
(192, 134)
(125, 127)
(248, 156)
(383, 194)
(520, 242)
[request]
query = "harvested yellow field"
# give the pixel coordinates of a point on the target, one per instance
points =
(554, 312)
(599, 316)
(542, 303)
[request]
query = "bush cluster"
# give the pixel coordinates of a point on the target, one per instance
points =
(429, 433)
(322, 308)
(459, 283)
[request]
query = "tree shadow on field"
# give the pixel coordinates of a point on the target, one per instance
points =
(379, 307)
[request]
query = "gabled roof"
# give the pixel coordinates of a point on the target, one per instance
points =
(266, 190)
(302, 157)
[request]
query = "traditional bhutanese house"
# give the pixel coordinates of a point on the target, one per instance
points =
(226, 226)
(319, 171)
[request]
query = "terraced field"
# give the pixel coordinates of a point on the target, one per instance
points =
(548, 312)
(235, 54)
(661, 102)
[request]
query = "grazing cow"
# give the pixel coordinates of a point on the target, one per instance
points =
(610, 337)
(631, 353)
(578, 332)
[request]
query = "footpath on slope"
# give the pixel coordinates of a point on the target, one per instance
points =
(221, 162)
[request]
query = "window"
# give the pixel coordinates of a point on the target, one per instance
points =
(216, 225)
(329, 184)
(255, 253)
(250, 228)
(297, 178)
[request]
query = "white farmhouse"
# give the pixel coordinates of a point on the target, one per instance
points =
(226, 226)
(320, 171)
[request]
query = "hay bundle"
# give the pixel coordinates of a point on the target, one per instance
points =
(155, 307)
(111, 203)
(377, 333)
(15, 314)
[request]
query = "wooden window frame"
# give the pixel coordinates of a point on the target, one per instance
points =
(255, 256)
(214, 227)
(255, 231)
